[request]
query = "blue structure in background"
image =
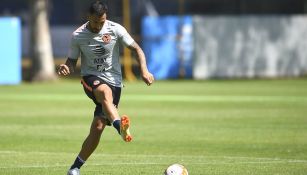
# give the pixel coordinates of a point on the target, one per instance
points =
(168, 45)
(186, 46)
(10, 44)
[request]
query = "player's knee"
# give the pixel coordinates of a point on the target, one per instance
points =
(97, 129)
(98, 126)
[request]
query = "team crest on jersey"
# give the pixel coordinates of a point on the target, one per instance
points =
(96, 82)
(106, 38)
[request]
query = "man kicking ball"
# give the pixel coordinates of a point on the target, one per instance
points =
(98, 42)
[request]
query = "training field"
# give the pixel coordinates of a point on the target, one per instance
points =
(233, 127)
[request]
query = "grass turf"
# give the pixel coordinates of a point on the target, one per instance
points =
(212, 127)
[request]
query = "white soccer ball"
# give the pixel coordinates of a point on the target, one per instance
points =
(176, 169)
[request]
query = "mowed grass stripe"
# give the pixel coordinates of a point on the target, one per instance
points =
(140, 163)
(155, 98)
(138, 159)
(128, 156)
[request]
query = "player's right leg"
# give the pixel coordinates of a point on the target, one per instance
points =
(92, 140)
(89, 145)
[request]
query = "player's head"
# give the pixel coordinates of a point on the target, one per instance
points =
(98, 8)
(97, 15)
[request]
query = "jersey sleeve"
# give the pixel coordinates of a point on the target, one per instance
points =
(125, 37)
(74, 49)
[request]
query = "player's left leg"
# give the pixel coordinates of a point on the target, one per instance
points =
(108, 97)
(104, 95)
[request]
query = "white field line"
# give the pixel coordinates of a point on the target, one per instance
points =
(157, 98)
(146, 155)
(142, 163)
(248, 160)
(150, 155)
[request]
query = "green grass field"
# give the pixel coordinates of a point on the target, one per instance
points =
(236, 127)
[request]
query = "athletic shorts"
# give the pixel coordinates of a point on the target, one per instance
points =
(90, 83)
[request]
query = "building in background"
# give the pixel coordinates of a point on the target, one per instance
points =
(66, 15)
(72, 12)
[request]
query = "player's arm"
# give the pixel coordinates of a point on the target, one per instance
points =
(71, 62)
(68, 67)
(147, 77)
(72, 58)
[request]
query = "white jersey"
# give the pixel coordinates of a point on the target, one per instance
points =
(100, 51)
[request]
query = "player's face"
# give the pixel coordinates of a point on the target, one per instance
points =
(96, 22)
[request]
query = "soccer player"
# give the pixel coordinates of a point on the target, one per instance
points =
(98, 42)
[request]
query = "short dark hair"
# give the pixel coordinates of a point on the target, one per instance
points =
(98, 8)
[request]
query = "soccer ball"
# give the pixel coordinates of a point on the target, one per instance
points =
(176, 169)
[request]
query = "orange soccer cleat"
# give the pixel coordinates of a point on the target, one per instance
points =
(124, 128)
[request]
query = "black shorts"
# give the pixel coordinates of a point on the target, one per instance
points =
(90, 83)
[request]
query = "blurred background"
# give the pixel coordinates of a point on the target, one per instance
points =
(190, 39)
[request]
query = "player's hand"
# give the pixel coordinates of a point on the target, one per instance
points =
(148, 78)
(63, 70)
